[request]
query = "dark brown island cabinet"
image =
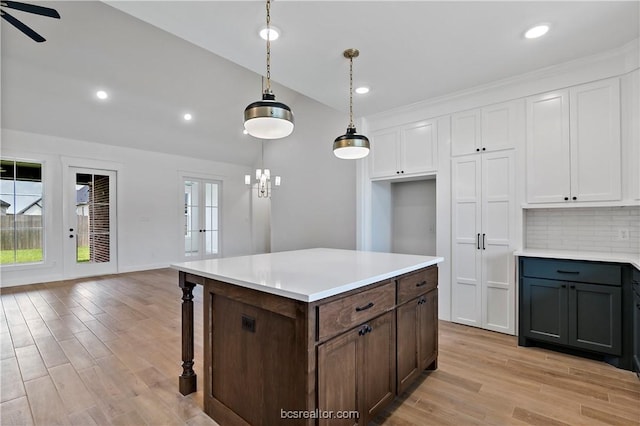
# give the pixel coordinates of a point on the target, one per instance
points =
(274, 360)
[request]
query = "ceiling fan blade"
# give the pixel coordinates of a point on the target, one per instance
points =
(22, 27)
(31, 8)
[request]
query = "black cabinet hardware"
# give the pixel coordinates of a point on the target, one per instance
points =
(364, 308)
(365, 329)
(574, 198)
(560, 271)
(566, 198)
(477, 149)
(420, 284)
(478, 238)
(484, 149)
(484, 238)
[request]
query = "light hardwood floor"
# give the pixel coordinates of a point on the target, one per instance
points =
(106, 350)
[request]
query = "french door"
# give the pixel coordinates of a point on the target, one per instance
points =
(200, 221)
(90, 240)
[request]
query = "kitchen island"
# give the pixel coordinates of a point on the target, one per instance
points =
(308, 336)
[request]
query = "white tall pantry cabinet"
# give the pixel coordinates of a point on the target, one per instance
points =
(483, 186)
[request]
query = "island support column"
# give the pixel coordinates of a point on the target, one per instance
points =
(187, 382)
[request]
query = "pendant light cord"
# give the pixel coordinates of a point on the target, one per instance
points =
(268, 88)
(351, 93)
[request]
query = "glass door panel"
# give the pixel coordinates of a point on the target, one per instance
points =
(92, 222)
(201, 235)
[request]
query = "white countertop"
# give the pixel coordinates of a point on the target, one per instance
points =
(634, 260)
(308, 275)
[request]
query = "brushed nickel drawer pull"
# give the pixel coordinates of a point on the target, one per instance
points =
(364, 308)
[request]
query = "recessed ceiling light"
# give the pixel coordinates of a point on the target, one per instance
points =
(362, 90)
(274, 33)
(101, 94)
(187, 117)
(537, 31)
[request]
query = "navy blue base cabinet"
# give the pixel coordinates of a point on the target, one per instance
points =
(577, 306)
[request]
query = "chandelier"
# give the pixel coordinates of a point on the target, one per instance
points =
(263, 180)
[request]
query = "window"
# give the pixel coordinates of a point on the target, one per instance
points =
(21, 212)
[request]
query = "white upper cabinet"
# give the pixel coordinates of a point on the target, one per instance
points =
(499, 126)
(491, 128)
(405, 150)
(595, 141)
(465, 132)
(548, 153)
(384, 152)
(573, 144)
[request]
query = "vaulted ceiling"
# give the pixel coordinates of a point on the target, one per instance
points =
(159, 59)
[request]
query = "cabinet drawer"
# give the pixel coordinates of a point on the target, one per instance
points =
(412, 286)
(343, 314)
(572, 270)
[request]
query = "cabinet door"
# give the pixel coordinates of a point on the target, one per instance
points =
(428, 330)
(417, 331)
(465, 132)
(498, 212)
(595, 141)
(407, 318)
(544, 310)
(466, 250)
(339, 362)
(595, 315)
(419, 148)
(548, 153)
(499, 126)
(378, 366)
(384, 153)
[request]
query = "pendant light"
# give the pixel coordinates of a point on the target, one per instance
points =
(268, 119)
(351, 145)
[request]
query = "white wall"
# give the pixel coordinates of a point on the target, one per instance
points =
(149, 211)
(414, 217)
(316, 204)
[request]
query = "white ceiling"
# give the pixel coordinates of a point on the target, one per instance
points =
(410, 51)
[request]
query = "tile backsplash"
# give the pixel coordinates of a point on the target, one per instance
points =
(583, 229)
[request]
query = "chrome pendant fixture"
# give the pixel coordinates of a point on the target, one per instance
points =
(351, 145)
(268, 119)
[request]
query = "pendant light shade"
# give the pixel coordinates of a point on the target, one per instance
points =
(351, 145)
(268, 119)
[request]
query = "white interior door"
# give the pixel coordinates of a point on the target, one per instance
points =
(91, 247)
